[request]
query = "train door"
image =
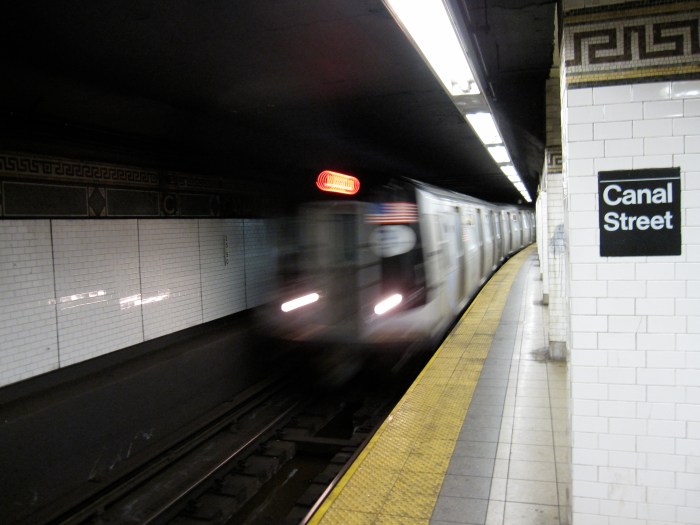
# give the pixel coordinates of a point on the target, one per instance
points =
(486, 242)
(525, 221)
(471, 236)
(450, 246)
(506, 228)
(461, 260)
(497, 238)
(514, 231)
(517, 230)
(480, 243)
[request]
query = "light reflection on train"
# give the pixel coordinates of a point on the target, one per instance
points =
(394, 272)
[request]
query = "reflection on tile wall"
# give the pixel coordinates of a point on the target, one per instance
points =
(28, 344)
(72, 290)
(171, 297)
(96, 267)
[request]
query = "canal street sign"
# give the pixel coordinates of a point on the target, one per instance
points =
(639, 212)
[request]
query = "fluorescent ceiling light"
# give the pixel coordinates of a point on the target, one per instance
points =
(485, 127)
(510, 171)
(499, 154)
(430, 27)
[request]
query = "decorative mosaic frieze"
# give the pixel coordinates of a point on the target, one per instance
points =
(41, 186)
(632, 42)
(554, 159)
(68, 170)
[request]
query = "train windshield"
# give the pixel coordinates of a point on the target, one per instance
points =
(395, 239)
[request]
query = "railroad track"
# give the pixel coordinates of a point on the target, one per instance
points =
(270, 456)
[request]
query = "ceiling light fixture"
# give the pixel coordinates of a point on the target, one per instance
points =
(499, 154)
(428, 24)
(485, 127)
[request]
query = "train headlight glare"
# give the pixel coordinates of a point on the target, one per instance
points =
(300, 301)
(387, 304)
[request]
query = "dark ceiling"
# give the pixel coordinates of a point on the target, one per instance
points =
(270, 90)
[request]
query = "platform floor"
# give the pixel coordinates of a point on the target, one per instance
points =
(481, 437)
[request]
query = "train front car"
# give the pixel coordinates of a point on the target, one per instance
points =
(356, 276)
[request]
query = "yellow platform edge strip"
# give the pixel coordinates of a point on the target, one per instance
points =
(397, 477)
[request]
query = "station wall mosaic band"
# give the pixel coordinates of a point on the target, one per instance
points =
(35, 186)
(632, 42)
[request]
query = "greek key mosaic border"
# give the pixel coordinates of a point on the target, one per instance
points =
(638, 42)
(554, 159)
(67, 170)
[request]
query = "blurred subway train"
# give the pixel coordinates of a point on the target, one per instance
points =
(395, 272)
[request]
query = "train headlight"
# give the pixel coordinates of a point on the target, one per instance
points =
(387, 304)
(304, 300)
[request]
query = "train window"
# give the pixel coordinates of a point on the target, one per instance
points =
(344, 238)
(405, 274)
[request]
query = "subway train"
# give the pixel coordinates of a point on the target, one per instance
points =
(391, 273)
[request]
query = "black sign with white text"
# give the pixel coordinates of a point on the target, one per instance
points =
(640, 212)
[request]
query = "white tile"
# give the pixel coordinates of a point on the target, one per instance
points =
(652, 128)
(627, 289)
(652, 91)
(686, 126)
(615, 112)
(586, 149)
(654, 306)
(687, 162)
(692, 144)
(617, 341)
(613, 163)
(664, 145)
(624, 147)
(612, 94)
(664, 109)
(665, 324)
(685, 89)
(612, 130)
(579, 97)
(691, 107)
(616, 306)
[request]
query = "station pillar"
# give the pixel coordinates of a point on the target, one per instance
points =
(630, 93)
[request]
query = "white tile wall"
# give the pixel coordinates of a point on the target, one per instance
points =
(96, 265)
(73, 290)
(557, 266)
(222, 255)
(260, 262)
(171, 292)
(635, 352)
(28, 343)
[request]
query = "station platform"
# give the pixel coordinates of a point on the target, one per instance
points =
(481, 437)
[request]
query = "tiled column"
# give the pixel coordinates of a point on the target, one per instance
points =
(556, 265)
(631, 100)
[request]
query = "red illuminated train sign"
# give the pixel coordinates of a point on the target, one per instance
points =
(335, 182)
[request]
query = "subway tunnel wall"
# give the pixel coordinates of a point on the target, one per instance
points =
(78, 289)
